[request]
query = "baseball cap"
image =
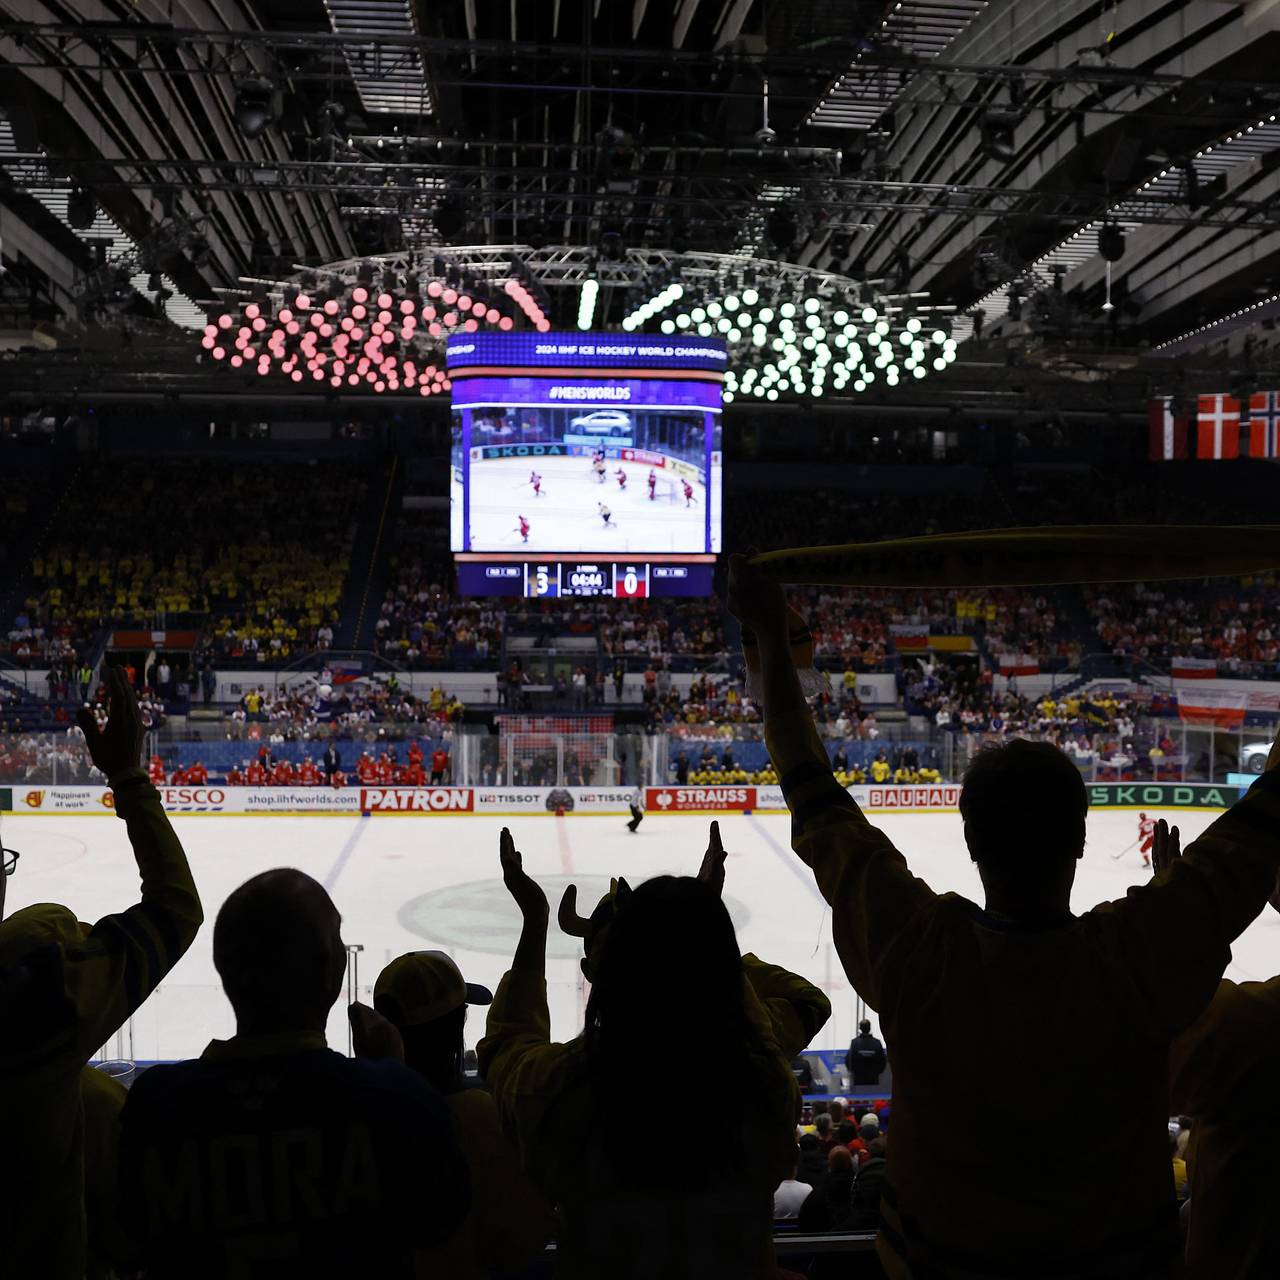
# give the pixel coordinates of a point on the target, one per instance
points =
(422, 986)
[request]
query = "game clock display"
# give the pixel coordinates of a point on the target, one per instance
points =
(551, 579)
(545, 581)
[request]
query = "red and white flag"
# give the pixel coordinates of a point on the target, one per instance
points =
(1264, 424)
(909, 635)
(1019, 664)
(1218, 427)
(1194, 668)
(1168, 431)
(1221, 707)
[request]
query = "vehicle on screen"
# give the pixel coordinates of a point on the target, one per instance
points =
(603, 422)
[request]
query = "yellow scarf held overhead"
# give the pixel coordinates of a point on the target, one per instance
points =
(1037, 556)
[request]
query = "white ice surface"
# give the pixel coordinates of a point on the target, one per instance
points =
(443, 871)
(565, 516)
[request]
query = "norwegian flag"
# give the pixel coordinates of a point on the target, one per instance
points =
(1168, 431)
(1218, 427)
(1264, 424)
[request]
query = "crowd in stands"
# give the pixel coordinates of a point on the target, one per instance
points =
(258, 556)
(395, 1163)
(1152, 623)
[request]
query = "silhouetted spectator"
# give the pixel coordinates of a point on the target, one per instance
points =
(822, 1128)
(831, 1205)
(1223, 1070)
(790, 1194)
(270, 1154)
(423, 995)
(1019, 978)
(869, 1186)
(65, 989)
(669, 972)
(866, 1057)
(812, 1165)
(332, 762)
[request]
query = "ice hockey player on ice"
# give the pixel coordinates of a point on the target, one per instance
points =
(605, 513)
(598, 463)
(523, 530)
(622, 478)
(1147, 835)
(688, 493)
(536, 480)
(653, 483)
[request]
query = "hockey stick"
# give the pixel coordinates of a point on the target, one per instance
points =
(1126, 849)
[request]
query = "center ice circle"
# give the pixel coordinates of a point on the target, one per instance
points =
(480, 915)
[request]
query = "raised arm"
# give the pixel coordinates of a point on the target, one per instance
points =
(792, 1010)
(873, 896)
(1182, 923)
(525, 1071)
(127, 954)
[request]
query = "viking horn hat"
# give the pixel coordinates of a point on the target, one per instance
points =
(577, 926)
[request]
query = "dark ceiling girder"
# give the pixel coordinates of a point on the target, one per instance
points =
(387, 179)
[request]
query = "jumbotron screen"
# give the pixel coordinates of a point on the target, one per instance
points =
(584, 463)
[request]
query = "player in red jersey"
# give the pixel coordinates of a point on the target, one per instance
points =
(197, 775)
(523, 530)
(255, 775)
(536, 480)
(439, 765)
(653, 484)
(688, 493)
(178, 778)
(155, 771)
(385, 770)
(413, 775)
(415, 752)
(282, 775)
(235, 776)
(308, 774)
(1146, 837)
(366, 770)
(622, 478)
(338, 780)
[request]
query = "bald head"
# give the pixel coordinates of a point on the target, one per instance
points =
(278, 949)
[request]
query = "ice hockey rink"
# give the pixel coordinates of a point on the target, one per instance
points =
(565, 517)
(407, 883)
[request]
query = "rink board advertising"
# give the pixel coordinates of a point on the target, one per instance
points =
(585, 463)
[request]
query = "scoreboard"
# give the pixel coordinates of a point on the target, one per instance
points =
(552, 579)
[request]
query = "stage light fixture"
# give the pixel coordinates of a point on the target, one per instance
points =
(257, 107)
(1111, 241)
(82, 208)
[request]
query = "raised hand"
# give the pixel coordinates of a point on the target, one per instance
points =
(1166, 847)
(756, 600)
(118, 744)
(525, 890)
(712, 870)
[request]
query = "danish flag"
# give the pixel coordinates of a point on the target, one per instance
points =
(1218, 427)
(1264, 424)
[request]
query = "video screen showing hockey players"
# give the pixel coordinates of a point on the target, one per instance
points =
(594, 463)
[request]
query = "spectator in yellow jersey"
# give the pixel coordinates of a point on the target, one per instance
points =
(1223, 1071)
(65, 988)
(425, 998)
(1019, 976)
